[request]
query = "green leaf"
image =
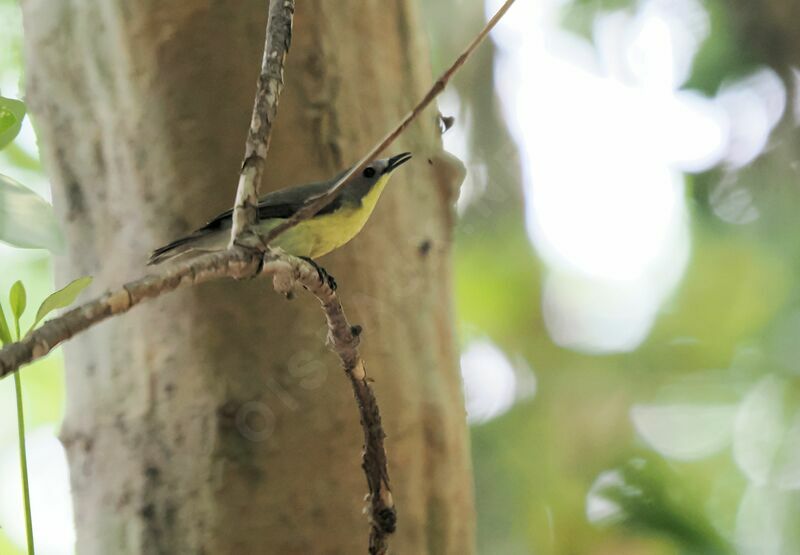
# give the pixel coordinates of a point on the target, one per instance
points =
(20, 158)
(62, 298)
(5, 334)
(26, 219)
(18, 300)
(12, 113)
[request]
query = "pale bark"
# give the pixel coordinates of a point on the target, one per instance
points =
(215, 420)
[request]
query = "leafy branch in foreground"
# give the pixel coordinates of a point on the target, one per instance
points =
(26, 220)
(18, 302)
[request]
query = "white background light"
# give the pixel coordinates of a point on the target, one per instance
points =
(605, 135)
(490, 382)
(51, 504)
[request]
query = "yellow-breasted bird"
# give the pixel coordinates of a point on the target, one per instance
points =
(330, 228)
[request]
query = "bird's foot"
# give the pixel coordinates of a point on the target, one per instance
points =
(324, 276)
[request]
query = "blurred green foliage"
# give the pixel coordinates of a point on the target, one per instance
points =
(12, 112)
(652, 498)
(714, 340)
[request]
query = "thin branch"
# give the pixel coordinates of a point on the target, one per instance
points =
(315, 205)
(235, 263)
(265, 109)
(344, 339)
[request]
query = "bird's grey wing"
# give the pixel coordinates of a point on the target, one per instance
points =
(280, 204)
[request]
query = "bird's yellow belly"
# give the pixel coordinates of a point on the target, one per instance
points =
(320, 235)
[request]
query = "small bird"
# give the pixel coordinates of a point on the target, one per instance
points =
(330, 228)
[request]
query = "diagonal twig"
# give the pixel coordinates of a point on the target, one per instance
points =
(315, 205)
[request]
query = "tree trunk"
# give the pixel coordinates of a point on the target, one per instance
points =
(215, 420)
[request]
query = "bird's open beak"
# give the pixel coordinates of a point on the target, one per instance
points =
(396, 161)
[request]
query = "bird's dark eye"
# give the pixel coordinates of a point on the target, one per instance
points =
(369, 172)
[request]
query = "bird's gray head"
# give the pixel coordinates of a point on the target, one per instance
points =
(363, 182)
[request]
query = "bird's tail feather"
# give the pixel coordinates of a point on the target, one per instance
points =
(177, 247)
